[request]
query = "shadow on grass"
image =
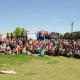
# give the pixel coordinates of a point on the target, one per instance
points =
(53, 62)
(31, 73)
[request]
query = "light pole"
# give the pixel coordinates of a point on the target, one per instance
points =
(72, 24)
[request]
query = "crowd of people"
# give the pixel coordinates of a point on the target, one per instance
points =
(52, 47)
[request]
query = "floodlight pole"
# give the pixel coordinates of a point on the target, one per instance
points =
(72, 24)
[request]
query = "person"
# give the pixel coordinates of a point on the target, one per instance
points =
(8, 49)
(42, 51)
(0, 49)
(24, 50)
(18, 48)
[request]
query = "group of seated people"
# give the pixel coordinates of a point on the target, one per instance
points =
(53, 47)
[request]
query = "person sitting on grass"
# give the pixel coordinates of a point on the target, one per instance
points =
(42, 51)
(0, 49)
(18, 49)
(24, 50)
(8, 49)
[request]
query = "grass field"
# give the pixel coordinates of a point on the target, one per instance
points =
(39, 68)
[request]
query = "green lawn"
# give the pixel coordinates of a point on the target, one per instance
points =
(39, 68)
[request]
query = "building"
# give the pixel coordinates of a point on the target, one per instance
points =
(55, 35)
(4, 36)
(31, 35)
(0, 37)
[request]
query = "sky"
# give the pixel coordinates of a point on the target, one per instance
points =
(35, 15)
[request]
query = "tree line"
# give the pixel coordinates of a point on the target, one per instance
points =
(73, 35)
(22, 33)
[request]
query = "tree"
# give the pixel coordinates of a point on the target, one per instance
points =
(73, 35)
(76, 35)
(23, 32)
(7, 35)
(20, 32)
(67, 35)
(11, 36)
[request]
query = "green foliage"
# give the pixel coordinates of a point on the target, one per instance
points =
(74, 35)
(67, 35)
(20, 32)
(7, 35)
